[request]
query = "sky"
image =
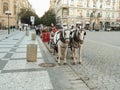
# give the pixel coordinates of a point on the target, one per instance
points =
(40, 6)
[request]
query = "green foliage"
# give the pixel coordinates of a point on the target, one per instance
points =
(48, 18)
(25, 16)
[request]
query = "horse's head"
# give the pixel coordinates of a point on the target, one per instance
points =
(66, 35)
(80, 35)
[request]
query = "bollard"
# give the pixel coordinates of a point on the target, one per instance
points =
(33, 36)
(27, 33)
(31, 53)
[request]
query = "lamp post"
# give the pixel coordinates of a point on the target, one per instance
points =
(8, 13)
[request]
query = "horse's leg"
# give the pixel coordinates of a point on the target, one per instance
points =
(65, 54)
(71, 52)
(80, 49)
(59, 53)
(55, 49)
(74, 55)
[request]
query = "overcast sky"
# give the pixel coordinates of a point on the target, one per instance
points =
(40, 6)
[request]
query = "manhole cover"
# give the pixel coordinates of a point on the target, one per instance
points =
(47, 65)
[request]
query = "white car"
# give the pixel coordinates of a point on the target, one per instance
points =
(108, 29)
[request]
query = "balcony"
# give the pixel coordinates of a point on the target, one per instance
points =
(65, 6)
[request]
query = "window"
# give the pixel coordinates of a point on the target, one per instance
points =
(112, 15)
(87, 4)
(108, 2)
(101, 5)
(79, 3)
(87, 13)
(79, 12)
(65, 2)
(14, 9)
(71, 12)
(119, 4)
(5, 7)
(65, 13)
(113, 6)
(72, 2)
(99, 15)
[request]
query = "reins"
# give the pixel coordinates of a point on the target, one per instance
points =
(75, 40)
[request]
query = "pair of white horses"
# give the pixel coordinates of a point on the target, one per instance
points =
(72, 38)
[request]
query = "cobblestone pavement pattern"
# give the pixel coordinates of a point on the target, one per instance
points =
(13, 65)
(100, 69)
(18, 74)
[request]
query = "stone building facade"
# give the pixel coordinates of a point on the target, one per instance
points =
(52, 4)
(14, 7)
(88, 13)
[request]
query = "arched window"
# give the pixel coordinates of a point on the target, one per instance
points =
(5, 7)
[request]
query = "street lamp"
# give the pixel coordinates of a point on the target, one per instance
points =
(8, 13)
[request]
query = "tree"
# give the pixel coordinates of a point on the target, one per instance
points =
(48, 18)
(25, 16)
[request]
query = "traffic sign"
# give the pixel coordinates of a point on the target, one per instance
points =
(32, 18)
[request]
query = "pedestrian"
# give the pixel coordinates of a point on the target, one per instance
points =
(20, 28)
(36, 29)
(52, 27)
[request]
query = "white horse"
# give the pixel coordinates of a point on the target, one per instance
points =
(76, 42)
(61, 39)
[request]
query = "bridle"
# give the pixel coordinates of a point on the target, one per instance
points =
(62, 37)
(75, 37)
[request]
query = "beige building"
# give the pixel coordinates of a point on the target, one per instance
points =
(14, 7)
(89, 13)
(52, 3)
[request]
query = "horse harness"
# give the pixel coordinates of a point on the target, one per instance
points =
(61, 37)
(74, 40)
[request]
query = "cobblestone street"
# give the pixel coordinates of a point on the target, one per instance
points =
(60, 45)
(100, 69)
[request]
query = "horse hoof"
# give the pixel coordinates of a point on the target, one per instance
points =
(79, 62)
(74, 63)
(59, 63)
(56, 60)
(65, 63)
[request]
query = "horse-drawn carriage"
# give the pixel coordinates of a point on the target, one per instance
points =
(66, 38)
(48, 35)
(45, 34)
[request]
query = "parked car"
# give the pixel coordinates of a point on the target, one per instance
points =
(108, 29)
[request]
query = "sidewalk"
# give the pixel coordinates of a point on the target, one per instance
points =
(18, 74)
(4, 33)
(45, 74)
